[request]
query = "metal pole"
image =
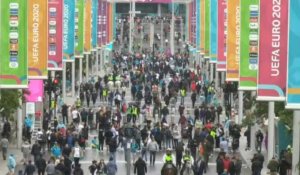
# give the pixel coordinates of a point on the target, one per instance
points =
(97, 62)
(241, 106)
(296, 142)
(211, 72)
(271, 130)
(162, 34)
(159, 10)
(87, 67)
(172, 29)
(80, 70)
(73, 79)
(64, 81)
(20, 123)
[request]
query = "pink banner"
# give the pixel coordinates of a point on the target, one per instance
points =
(55, 30)
(222, 35)
(272, 50)
(154, 1)
(36, 90)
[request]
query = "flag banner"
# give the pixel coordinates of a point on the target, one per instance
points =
(69, 30)
(37, 39)
(293, 66)
(100, 21)
(233, 40)
(104, 23)
(202, 26)
(249, 45)
(272, 64)
(222, 35)
(55, 30)
(207, 29)
(198, 25)
(79, 28)
(94, 24)
(88, 26)
(213, 31)
(13, 44)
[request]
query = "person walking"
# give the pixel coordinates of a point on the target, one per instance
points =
(273, 166)
(111, 167)
(11, 164)
(29, 169)
(77, 153)
(41, 165)
(4, 147)
(50, 168)
(153, 148)
(259, 139)
(26, 148)
(140, 167)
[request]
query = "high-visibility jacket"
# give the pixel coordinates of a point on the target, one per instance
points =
(134, 111)
(168, 158)
(104, 93)
(213, 134)
(110, 78)
(183, 92)
(78, 103)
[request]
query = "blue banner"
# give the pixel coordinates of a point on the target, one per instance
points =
(198, 25)
(69, 30)
(94, 24)
(213, 31)
(293, 77)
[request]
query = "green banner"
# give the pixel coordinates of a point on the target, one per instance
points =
(13, 44)
(249, 44)
(207, 28)
(79, 28)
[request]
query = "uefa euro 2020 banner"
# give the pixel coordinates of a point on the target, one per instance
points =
(79, 28)
(272, 65)
(249, 45)
(213, 31)
(233, 40)
(293, 73)
(13, 44)
(94, 24)
(55, 32)
(222, 35)
(37, 39)
(69, 30)
(87, 26)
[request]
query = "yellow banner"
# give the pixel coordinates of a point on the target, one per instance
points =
(88, 26)
(37, 39)
(202, 26)
(233, 40)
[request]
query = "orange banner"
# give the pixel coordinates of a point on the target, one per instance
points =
(37, 39)
(233, 40)
(202, 26)
(88, 26)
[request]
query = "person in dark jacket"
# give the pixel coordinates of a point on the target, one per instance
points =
(256, 166)
(140, 167)
(60, 168)
(29, 169)
(41, 165)
(36, 150)
(220, 164)
(199, 166)
(78, 170)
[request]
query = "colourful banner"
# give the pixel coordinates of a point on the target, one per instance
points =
(272, 65)
(79, 28)
(249, 45)
(13, 40)
(198, 25)
(37, 39)
(293, 81)
(105, 24)
(94, 24)
(87, 26)
(202, 26)
(207, 28)
(213, 31)
(233, 41)
(69, 30)
(36, 91)
(222, 35)
(55, 30)
(100, 14)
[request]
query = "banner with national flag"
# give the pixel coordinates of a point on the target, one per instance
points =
(293, 72)
(233, 40)
(249, 44)
(272, 65)
(13, 44)
(55, 33)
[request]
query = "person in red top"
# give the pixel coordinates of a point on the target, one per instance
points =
(208, 125)
(226, 162)
(193, 86)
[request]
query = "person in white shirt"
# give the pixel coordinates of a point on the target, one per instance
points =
(75, 116)
(224, 145)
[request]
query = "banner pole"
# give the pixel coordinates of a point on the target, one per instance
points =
(20, 123)
(211, 72)
(80, 70)
(87, 67)
(296, 142)
(73, 79)
(64, 81)
(271, 130)
(241, 106)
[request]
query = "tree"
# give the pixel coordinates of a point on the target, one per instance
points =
(9, 102)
